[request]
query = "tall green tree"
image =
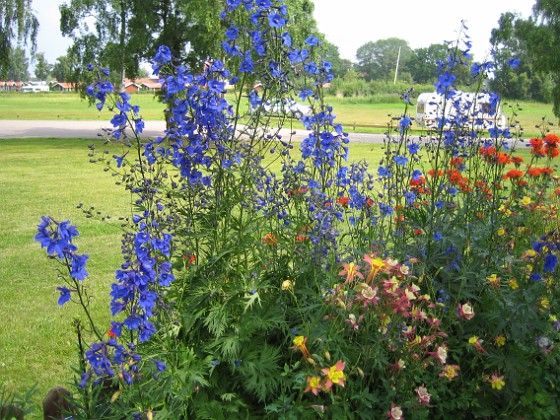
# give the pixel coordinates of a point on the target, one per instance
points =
(119, 37)
(17, 24)
(126, 33)
(378, 60)
(18, 69)
(42, 67)
(423, 62)
(63, 69)
(536, 41)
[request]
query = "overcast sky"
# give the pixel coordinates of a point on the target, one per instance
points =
(351, 23)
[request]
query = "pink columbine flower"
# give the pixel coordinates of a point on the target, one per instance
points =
(395, 413)
(423, 395)
(466, 311)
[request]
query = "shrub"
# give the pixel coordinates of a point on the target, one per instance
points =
(425, 288)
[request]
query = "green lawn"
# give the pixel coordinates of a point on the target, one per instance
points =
(354, 113)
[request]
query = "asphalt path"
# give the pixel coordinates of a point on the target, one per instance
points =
(99, 129)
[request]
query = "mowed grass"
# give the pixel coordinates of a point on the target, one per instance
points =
(51, 177)
(356, 114)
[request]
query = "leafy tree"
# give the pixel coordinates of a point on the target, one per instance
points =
(423, 62)
(378, 60)
(19, 65)
(128, 32)
(63, 69)
(329, 52)
(515, 73)
(120, 37)
(17, 23)
(536, 41)
(42, 67)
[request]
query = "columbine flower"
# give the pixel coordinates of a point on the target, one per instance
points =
(466, 311)
(299, 344)
(440, 354)
(494, 280)
(395, 413)
(350, 271)
(287, 284)
(474, 341)
(450, 372)
(500, 340)
(334, 375)
(423, 395)
(543, 343)
(313, 385)
(497, 381)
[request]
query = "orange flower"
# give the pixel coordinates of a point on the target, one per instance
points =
(343, 201)
(334, 375)
(514, 173)
(504, 158)
(350, 271)
(270, 239)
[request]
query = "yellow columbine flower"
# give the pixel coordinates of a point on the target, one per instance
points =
(287, 284)
(526, 201)
(500, 340)
(513, 284)
(545, 303)
(497, 382)
(501, 232)
(493, 279)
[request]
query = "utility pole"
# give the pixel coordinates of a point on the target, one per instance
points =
(397, 66)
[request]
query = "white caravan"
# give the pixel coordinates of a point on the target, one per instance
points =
(471, 109)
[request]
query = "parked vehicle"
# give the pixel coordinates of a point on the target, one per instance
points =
(35, 87)
(284, 106)
(431, 107)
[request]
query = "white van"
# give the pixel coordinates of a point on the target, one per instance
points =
(475, 108)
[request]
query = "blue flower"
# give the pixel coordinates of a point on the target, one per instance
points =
(535, 277)
(514, 63)
(382, 171)
(550, 263)
(416, 175)
(276, 20)
(64, 295)
(312, 40)
(400, 160)
(413, 148)
(232, 33)
(444, 83)
(404, 124)
(438, 236)
(78, 267)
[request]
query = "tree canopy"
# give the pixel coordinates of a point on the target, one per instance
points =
(17, 25)
(533, 46)
(121, 34)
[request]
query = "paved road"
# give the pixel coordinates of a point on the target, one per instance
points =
(10, 129)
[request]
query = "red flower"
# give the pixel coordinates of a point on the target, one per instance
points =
(343, 201)
(514, 173)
